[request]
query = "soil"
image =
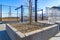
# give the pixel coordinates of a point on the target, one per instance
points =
(25, 28)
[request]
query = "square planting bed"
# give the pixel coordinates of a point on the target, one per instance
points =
(34, 31)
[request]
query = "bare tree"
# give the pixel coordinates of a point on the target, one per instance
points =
(30, 11)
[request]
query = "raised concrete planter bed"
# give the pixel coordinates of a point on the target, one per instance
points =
(40, 34)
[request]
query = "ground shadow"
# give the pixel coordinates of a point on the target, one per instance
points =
(56, 36)
(4, 35)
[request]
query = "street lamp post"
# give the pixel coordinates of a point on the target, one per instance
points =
(35, 10)
(21, 13)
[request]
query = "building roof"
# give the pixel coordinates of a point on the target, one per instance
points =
(56, 7)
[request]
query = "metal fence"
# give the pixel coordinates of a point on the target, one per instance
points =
(8, 13)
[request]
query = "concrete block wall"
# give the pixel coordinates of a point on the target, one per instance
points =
(45, 34)
(58, 23)
(41, 34)
(13, 33)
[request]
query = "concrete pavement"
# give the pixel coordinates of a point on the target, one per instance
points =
(3, 33)
(56, 37)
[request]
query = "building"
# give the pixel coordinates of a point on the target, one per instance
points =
(54, 14)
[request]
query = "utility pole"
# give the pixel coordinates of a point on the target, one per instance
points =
(22, 13)
(30, 10)
(35, 10)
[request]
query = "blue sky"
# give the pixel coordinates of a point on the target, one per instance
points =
(42, 4)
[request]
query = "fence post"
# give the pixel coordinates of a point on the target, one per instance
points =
(9, 11)
(1, 13)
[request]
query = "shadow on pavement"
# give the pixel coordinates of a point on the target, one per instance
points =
(4, 35)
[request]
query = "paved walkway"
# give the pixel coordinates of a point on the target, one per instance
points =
(3, 33)
(56, 37)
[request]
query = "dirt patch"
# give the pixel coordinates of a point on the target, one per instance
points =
(25, 28)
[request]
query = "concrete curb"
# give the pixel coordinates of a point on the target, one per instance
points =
(41, 34)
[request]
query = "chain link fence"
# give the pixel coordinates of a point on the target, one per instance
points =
(9, 14)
